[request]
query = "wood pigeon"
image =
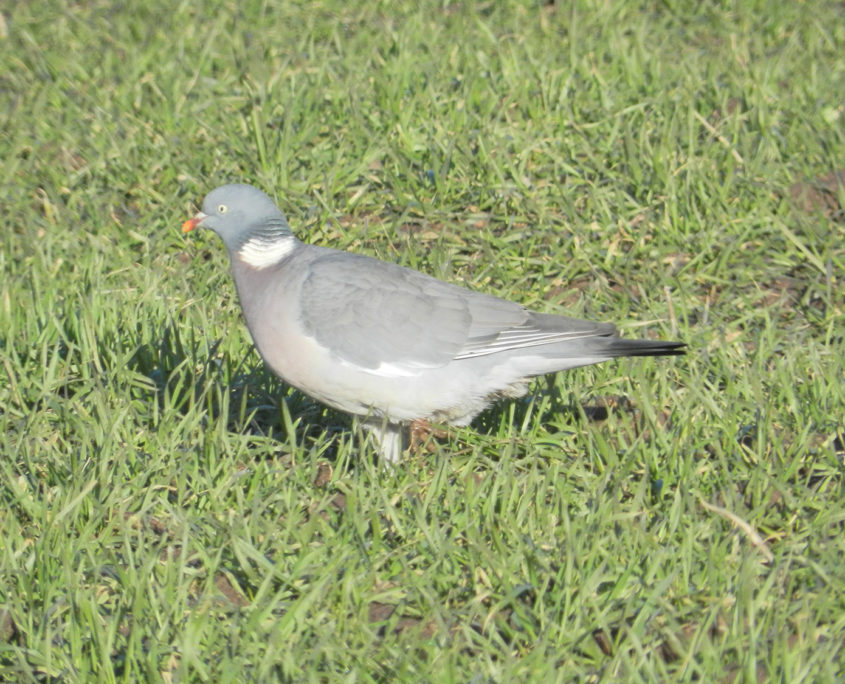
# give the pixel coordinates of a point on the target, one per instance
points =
(385, 343)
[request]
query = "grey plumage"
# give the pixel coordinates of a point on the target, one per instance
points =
(386, 343)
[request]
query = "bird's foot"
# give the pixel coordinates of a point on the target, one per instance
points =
(421, 431)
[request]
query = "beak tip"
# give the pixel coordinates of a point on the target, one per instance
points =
(192, 223)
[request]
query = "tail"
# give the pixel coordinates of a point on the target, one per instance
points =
(618, 346)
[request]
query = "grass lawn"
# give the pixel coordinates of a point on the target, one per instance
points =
(172, 512)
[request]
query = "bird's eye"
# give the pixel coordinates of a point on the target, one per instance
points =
(222, 208)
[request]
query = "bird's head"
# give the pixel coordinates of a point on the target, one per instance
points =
(238, 214)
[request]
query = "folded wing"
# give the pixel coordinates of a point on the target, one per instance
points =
(377, 315)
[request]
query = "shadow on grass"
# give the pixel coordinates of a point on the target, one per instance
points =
(190, 376)
(544, 406)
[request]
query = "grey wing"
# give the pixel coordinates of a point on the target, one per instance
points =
(372, 313)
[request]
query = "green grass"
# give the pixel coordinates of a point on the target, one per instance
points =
(171, 512)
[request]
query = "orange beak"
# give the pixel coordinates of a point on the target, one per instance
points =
(192, 223)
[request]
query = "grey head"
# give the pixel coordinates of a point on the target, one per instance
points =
(238, 214)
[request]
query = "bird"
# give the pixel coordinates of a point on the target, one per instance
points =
(388, 344)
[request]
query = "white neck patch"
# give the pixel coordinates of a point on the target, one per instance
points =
(261, 252)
